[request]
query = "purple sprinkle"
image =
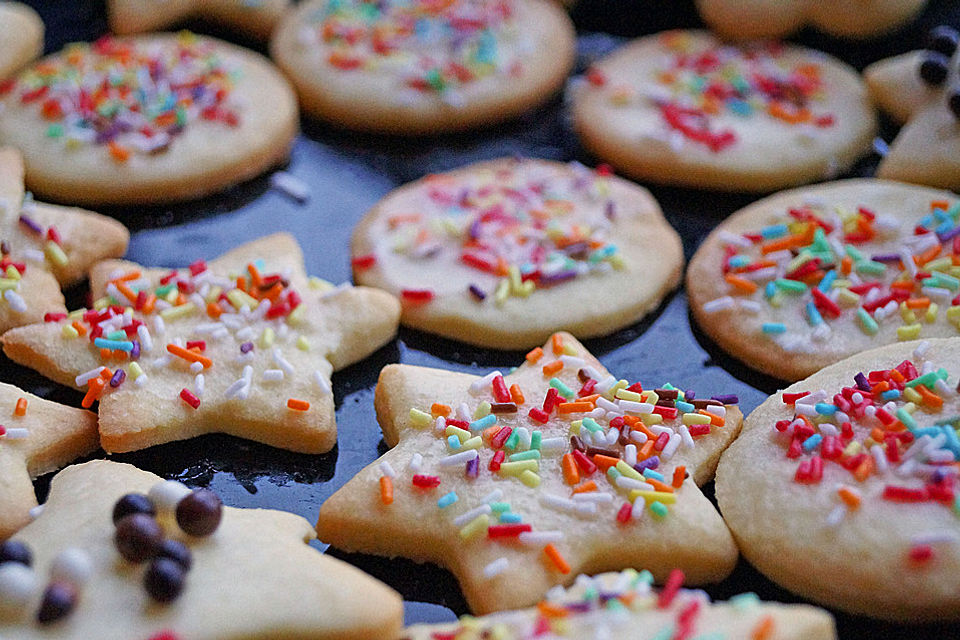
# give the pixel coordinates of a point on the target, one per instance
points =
(650, 463)
(949, 235)
(135, 351)
(118, 377)
(729, 398)
(862, 382)
(473, 467)
(886, 257)
(689, 395)
(938, 476)
(477, 293)
(556, 278)
(610, 210)
(475, 229)
(578, 607)
(30, 224)
(246, 347)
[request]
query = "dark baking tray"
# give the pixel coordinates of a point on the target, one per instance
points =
(348, 173)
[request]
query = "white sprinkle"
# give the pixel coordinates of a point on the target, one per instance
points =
(159, 327)
(84, 378)
(934, 537)
(630, 454)
(921, 350)
(752, 306)
(17, 433)
(626, 482)
(72, 565)
(290, 185)
(416, 461)
(494, 496)
(320, 380)
(196, 367)
(638, 436)
(467, 516)
(387, 470)
(273, 375)
(671, 447)
(557, 502)
(440, 424)
(716, 409)
(496, 567)
(15, 300)
(463, 413)
(629, 406)
(573, 362)
(828, 429)
(34, 255)
(718, 304)
(686, 438)
(537, 538)
(590, 371)
(482, 384)
(245, 334)
(458, 458)
(728, 237)
(836, 515)
(141, 380)
(552, 444)
(36, 511)
(880, 458)
(146, 341)
(638, 508)
(524, 438)
(198, 384)
(659, 428)
(282, 362)
(605, 404)
(593, 496)
(612, 436)
(220, 333)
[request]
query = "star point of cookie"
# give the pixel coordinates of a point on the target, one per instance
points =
(254, 576)
(254, 17)
(243, 345)
(517, 482)
(21, 36)
(36, 436)
(922, 90)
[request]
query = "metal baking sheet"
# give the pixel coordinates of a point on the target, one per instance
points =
(347, 173)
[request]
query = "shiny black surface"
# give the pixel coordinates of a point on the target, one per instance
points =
(348, 173)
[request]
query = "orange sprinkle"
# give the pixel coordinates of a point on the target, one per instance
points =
(605, 462)
(128, 276)
(214, 310)
(877, 434)
(918, 303)
(905, 285)
(94, 389)
(118, 153)
(930, 399)
(118, 354)
(927, 255)
(646, 449)
(534, 355)
(864, 469)
(21, 407)
(678, 475)
(150, 303)
(82, 330)
(254, 275)
(556, 340)
(780, 244)
(846, 265)
(586, 487)
(715, 420)
(574, 407)
(386, 490)
(487, 434)
(106, 374)
(516, 394)
(127, 292)
(556, 558)
(189, 356)
(851, 499)
(548, 610)
(438, 409)
(552, 368)
(896, 376)
(592, 399)
(571, 475)
(763, 630)
(939, 204)
(741, 284)
(297, 405)
(104, 354)
(659, 486)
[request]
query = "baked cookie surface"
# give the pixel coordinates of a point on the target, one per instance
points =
(810, 276)
(253, 17)
(503, 253)
(21, 36)
(515, 491)
(682, 108)
(147, 119)
(843, 487)
(254, 577)
(424, 67)
(243, 345)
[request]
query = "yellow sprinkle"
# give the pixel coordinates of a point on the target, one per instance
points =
(69, 332)
(213, 295)
(266, 338)
(568, 350)
(462, 434)
(172, 313)
(911, 395)
(135, 371)
(513, 272)
(473, 443)
(518, 467)
(651, 418)
(500, 295)
(101, 303)
(910, 407)
(908, 332)
(483, 410)
(475, 527)
(12, 273)
(852, 448)
(633, 396)
(650, 496)
(612, 391)
(651, 396)
(297, 316)
(319, 284)
(303, 344)
(848, 298)
(530, 478)
(775, 300)
(8, 283)
(526, 289)
(953, 314)
(171, 296)
(77, 314)
(628, 471)
(55, 254)
(616, 260)
(931, 314)
(240, 299)
(420, 419)
(695, 418)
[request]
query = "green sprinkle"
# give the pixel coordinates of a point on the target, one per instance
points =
(563, 389)
(535, 439)
(790, 286)
(867, 323)
(659, 509)
(531, 454)
(745, 601)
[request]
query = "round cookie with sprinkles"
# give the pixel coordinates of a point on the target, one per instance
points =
(422, 66)
(147, 119)
(810, 276)
(844, 487)
(518, 482)
(21, 36)
(682, 108)
(256, 18)
(503, 253)
(624, 605)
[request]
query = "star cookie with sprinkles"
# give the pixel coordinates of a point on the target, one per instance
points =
(503, 253)
(37, 436)
(117, 553)
(623, 604)
(244, 345)
(844, 487)
(807, 277)
(684, 108)
(147, 119)
(43, 247)
(253, 17)
(921, 90)
(517, 483)
(424, 67)
(21, 36)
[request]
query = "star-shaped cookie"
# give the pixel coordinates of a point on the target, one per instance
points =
(253, 17)
(21, 36)
(37, 436)
(922, 90)
(514, 492)
(43, 244)
(623, 605)
(243, 345)
(254, 577)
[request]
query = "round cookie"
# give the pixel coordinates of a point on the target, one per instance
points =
(682, 108)
(807, 277)
(503, 253)
(180, 117)
(752, 19)
(424, 67)
(256, 18)
(847, 495)
(21, 36)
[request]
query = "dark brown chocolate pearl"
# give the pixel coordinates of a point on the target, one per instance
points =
(176, 551)
(954, 103)
(15, 551)
(138, 537)
(132, 503)
(943, 39)
(933, 69)
(198, 514)
(164, 580)
(58, 601)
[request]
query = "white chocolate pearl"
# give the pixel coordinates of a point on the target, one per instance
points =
(167, 494)
(72, 565)
(18, 586)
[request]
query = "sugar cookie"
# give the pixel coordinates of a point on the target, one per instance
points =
(682, 108)
(843, 488)
(810, 276)
(424, 67)
(253, 17)
(21, 36)
(922, 89)
(253, 577)
(503, 253)
(600, 475)
(243, 345)
(181, 117)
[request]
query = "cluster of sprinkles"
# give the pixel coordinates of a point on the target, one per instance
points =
(878, 428)
(607, 605)
(515, 229)
(435, 46)
(260, 312)
(614, 441)
(128, 97)
(698, 85)
(817, 260)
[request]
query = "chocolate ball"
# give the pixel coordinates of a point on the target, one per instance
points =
(943, 39)
(176, 551)
(164, 579)
(138, 537)
(58, 601)
(132, 503)
(199, 513)
(933, 69)
(16, 551)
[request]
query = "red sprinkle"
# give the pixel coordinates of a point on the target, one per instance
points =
(507, 530)
(189, 398)
(417, 296)
(497, 460)
(426, 482)
(670, 588)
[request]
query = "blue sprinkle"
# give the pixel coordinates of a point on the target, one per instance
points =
(774, 327)
(509, 517)
(685, 407)
(892, 394)
(811, 443)
(483, 423)
(650, 473)
(453, 442)
(827, 280)
(774, 231)
(813, 314)
(825, 408)
(447, 500)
